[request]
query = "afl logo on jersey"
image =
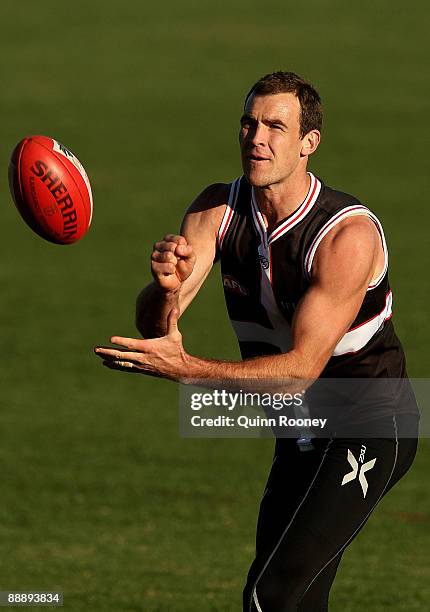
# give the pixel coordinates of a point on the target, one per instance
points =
(233, 285)
(264, 262)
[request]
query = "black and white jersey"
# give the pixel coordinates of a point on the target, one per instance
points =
(266, 275)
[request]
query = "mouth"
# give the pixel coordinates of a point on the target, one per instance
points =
(256, 158)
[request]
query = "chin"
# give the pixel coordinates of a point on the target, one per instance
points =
(256, 179)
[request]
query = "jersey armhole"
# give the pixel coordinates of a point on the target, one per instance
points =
(349, 211)
(228, 213)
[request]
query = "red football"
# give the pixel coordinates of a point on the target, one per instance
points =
(50, 189)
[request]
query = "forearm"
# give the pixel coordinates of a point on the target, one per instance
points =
(270, 372)
(166, 357)
(153, 306)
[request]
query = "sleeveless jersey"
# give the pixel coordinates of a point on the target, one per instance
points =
(265, 276)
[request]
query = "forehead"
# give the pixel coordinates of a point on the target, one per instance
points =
(283, 105)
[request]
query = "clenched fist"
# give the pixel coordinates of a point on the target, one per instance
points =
(172, 262)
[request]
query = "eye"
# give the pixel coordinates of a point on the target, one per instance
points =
(277, 126)
(247, 122)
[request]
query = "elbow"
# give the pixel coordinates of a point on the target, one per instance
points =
(310, 365)
(140, 309)
(138, 315)
(314, 371)
(139, 326)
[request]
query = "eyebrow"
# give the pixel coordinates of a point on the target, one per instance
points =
(269, 120)
(246, 116)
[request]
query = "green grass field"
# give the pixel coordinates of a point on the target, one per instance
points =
(100, 497)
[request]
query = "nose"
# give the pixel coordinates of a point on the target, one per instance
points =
(258, 135)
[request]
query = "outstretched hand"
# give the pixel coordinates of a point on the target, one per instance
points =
(164, 357)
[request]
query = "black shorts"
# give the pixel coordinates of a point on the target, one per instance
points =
(315, 503)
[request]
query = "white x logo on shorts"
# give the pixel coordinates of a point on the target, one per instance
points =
(352, 475)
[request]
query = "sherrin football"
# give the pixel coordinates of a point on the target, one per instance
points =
(51, 189)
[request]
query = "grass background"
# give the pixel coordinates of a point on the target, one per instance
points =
(100, 498)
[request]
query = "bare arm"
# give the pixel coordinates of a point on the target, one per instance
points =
(180, 264)
(343, 267)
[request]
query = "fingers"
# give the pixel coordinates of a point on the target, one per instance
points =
(175, 238)
(124, 366)
(172, 261)
(184, 268)
(135, 344)
(132, 343)
(163, 262)
(164, 257)
(185, 251)
(165, 246)
(126, 361)
(173, 244)
(170, 242)
(111, 354)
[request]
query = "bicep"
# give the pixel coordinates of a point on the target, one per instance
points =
(342, 271)
(200, 228)
(204, 243)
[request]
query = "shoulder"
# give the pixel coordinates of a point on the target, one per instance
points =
(346, 220)
(350, 247)
(213, 196)
(331, 200)
(352, 233)
(206, 211)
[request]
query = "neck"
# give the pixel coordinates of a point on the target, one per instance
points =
(281, 199)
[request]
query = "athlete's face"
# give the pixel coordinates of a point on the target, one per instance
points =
(270, 141)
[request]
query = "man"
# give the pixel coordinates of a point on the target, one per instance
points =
(306, 286)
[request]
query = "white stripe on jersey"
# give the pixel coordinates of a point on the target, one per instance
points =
(280, 336)
(229, 211)
(349, 211)
(295, 218)
(357, 338)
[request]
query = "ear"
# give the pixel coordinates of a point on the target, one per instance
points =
(310, 142)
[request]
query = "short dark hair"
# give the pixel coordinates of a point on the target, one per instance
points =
(288, 82)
